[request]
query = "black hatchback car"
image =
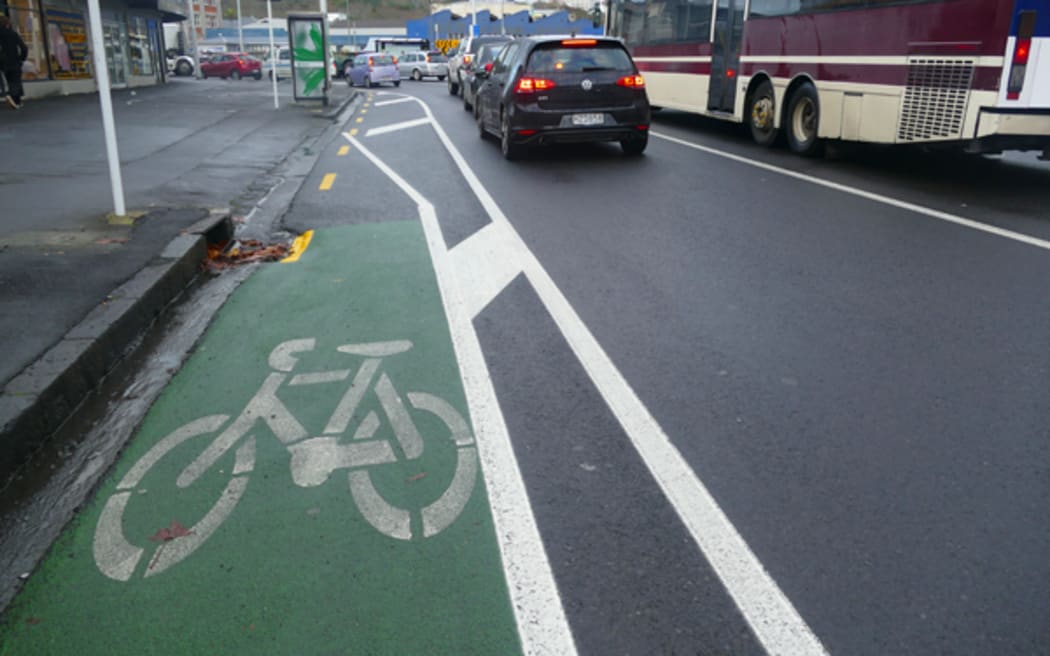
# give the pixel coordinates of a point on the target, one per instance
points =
(548, 89)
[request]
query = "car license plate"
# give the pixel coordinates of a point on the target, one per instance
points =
(588, 119)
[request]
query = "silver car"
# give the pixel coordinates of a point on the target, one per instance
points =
(418, 65)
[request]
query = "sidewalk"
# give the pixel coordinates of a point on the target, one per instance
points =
(77, 288)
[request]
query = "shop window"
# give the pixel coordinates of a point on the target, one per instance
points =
(139, 50)
(67, 40)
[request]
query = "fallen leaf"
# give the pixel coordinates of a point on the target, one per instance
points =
(416, 477)
(176, 530)
(33, 620)
(113, 240)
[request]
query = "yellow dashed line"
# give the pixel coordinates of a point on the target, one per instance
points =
(326, 184)
(344, 150)
(299, 246)
(360, 120)
(364, 111)
(353, 132)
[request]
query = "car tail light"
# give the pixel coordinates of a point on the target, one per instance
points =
(467, 59)
(395, 61)
(531, 84)
(428, 59)
(371, 62)
(579, 42)
(488, 67)
(1022, 48)
(632, 82)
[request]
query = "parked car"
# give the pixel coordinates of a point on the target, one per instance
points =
(233, 65)
(474, 73)
(545, 89)
(372, 68)
(418, 65)
(282, 65)
(468, 48)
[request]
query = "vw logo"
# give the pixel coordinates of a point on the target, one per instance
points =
(586, 84)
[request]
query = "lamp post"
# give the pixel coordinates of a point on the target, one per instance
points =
(98, 53)
(273, 53)
(240, 28)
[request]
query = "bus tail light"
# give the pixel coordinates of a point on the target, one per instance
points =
(632, 82)
(1022, 48)
(531, 84)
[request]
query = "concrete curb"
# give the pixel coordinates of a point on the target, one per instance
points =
(36, 402)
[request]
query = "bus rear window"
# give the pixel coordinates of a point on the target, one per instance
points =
(557, 59)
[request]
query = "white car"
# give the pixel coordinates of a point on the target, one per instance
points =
(418, 65)
(282, 66)
(182, 65)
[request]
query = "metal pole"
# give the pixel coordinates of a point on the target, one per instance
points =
(273, 55)
(240, 28)
(194, 52)
(98, 55)
(325, 54)
(473, 17)
(502, 18)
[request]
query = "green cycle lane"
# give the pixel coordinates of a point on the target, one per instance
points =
(287, 497)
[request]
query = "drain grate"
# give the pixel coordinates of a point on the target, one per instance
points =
(935, 99)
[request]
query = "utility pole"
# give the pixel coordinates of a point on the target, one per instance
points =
(273, 54)
(98, 53)
(240, 28)
(194, 53)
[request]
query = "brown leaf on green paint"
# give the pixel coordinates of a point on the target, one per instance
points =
(33, 621)
(176, 530)
(412, 479)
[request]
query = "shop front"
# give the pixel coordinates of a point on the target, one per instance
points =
(56, 33)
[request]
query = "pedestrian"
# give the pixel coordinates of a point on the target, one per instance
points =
(13, 52)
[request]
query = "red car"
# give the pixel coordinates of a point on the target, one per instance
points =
(232, 64)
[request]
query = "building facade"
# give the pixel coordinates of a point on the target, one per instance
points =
(56, 33)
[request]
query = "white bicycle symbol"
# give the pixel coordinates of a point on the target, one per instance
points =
(313, 460)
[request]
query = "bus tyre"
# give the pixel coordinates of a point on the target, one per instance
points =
(803, 121)
(761, 111)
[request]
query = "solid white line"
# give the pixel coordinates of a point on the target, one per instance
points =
(878, 198)
(542, 626)
(482, 268)
(393, 102)
(769, 613)
(397, 126)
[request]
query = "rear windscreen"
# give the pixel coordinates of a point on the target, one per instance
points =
(556, 58)
(382, 60)
(437, 58)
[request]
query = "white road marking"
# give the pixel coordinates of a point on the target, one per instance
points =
(393, 102)
(397, 126)
(537, 605)
(769, 613)
(878, 198)
(482, 268)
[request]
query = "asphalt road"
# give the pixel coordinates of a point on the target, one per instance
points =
(757, 404)
(860, 384)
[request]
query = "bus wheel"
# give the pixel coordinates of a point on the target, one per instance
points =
(761, 114)
(803, 121)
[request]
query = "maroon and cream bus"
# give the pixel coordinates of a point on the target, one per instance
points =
(971, 73)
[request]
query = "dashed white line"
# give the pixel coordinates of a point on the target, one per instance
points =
(394, 127)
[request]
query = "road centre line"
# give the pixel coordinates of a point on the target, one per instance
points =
(538, 611)
(397, 126)
(343, 151)
(327, 182)
(878, 198)
(393, 102)
(769, 613)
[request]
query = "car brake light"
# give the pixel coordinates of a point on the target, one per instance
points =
(530, 84)
(632, 82)
(466, 59)
(371, 62)
(395, 61)
(488, 67)
(428, 59)
(579, 42)
(1022, 48)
